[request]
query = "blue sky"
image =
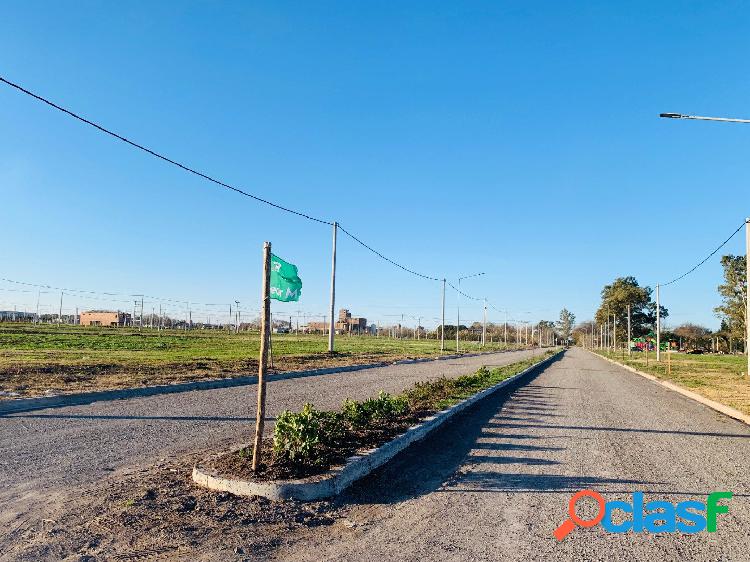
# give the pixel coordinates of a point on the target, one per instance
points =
(516, 138)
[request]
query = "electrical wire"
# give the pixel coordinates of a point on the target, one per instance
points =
(705, 259)
(385, 258)
(158, 155)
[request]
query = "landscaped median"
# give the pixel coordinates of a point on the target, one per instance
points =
(718, 381)
(316, 454)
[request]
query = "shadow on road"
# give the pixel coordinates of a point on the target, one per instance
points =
(425, 466)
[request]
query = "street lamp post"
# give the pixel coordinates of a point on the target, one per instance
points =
(458, 300)
(747, 226)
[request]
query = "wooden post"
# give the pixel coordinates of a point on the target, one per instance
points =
(265, 321)
(669, 361)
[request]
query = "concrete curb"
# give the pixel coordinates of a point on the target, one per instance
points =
(336, 480)
(719, 407)
(17, 405)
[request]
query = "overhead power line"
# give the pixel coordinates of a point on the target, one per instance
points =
(201, 174)
(350, 235)
(706, 258)
(462, 293)
(158, 155)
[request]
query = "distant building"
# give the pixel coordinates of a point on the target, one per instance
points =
(105, 318)
(348, 323)
(15, 316)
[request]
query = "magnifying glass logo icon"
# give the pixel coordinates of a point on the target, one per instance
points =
(569, 524)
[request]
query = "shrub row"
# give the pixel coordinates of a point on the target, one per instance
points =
(315, 439)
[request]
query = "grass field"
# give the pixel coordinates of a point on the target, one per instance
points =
(718, 377)
(35, 359)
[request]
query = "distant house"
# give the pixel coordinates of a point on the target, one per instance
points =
(105, 318)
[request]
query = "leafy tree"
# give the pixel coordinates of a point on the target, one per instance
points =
(733, 295)
(565, 324)
(693, 334)
(582, 333)
(617, 296)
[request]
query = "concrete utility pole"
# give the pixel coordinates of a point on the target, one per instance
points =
(630, 336)
(332, 327)
(614, 332)
(237, 319)
(458, 313)
(505, 330)
(747, 279)
(601, 335)
(442, 322)
(658, 326)
(59, 316)
(484, 324)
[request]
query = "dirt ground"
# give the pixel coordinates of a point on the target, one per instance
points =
(156, 512)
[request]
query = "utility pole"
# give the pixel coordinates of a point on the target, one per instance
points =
(59, 316)
(614, 332)
(458, 312)
(331, 328)
(237, 312)
(442, 325)
(38, 295)
(505, 330)
(140, 323)
(747, 285)
(658, 326)
(484, 324)
(265, 319)
(630, 335)
(601, 335)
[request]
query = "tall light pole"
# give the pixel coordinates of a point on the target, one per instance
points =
(458, 301)
(747, 225)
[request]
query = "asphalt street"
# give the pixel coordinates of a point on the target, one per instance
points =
(495, 484)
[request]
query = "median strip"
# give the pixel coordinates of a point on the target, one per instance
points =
(318, 454)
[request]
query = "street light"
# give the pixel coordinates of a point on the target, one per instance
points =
(702, 118)
(458, 300)
(747, 228)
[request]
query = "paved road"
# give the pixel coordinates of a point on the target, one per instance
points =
(45, 452)
(495, 484)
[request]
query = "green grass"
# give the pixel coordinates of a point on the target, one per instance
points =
(719, 377)
(35, 358)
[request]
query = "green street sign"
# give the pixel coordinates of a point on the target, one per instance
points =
(286, 285)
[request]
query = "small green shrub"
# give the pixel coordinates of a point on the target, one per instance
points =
(384, 407)
(355, 413)
(305, 438)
